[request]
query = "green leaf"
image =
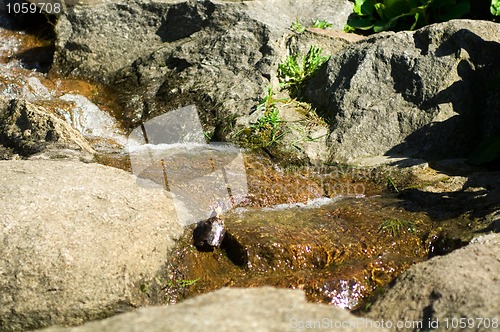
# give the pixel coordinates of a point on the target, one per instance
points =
(364, 7)
(380, 8)
(415, 25)
(321, 24)
(395, 8)
(360, 23)
(297, 26)
(297, 69)
(381, 15)
(495, 7)
(382, 26)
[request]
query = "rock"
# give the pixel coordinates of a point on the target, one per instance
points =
(463, 284)
(412, 93)
(78, 241)
(329, 40)
(161, 55)
(494, 220)
(27, 129)
(91, 39)
(233, 309)
(209, 233)
(7, 154)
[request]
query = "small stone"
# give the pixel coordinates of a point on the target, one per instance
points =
(209, 233)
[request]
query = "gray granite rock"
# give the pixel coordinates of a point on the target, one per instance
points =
(263, 309)
(438, 293)
(423, 94)
(161, 55)
(77, 241)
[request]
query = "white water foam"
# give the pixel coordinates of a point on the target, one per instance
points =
(90, 120)
(310, 204)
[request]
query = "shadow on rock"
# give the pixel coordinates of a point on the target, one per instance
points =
(474, 113)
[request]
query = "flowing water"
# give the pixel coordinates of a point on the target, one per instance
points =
(24, 63)
(320, 229)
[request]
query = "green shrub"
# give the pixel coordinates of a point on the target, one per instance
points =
(297, 69)
(398, 15)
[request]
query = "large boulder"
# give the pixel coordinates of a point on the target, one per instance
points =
(448, 291)
(426, 94)
(231, 309)
(77, 242)
(219, 55)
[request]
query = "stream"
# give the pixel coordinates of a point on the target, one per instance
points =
(338, 232)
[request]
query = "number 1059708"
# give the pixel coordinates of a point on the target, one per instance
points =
(39, 7)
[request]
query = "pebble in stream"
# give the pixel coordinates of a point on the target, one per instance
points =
(209, 233)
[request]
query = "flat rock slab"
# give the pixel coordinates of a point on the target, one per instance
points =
(441, 291)
(232, 309)
(76, 241)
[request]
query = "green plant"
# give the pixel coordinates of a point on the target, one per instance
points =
(392, 185)
(396, 226)
(208, 135)
(269, 101)
(268, 129)
(321, 24)
(398, 15)
(297, 26)
(297, 69)
(181, 283)
(495, 7)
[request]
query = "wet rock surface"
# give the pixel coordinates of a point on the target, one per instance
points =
(257, 309)
(27, 129)
(463, 284)
(412, 93)
(77, 240)
(340, 251)
(43, 116)
(336, 253)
